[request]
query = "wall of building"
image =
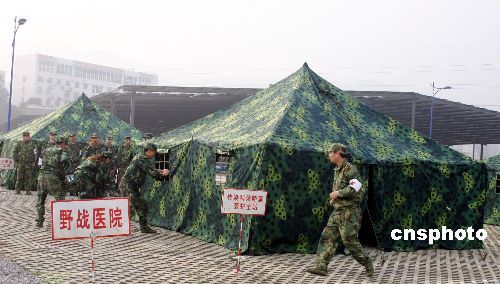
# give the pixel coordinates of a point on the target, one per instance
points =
(56, 81)
(474, 151)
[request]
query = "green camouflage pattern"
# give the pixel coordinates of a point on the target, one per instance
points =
(51, 178)
(90, 150)
(24, 161)
(134, 178)
(91, 178)
(82, 117)
(492, 209)
(279, 139)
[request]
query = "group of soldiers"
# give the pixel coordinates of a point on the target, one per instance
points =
(93, 171)
(94, 167)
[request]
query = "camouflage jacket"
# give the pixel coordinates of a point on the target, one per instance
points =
(112, 148)
(138, 169)
(73, 154)
(25, 152)
(124, 156)
(89, 150)
(54, 163)
(91, 172)
(348, 197)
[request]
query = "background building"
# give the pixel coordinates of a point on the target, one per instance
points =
(51, 81)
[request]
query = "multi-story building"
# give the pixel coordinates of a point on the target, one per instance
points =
(51, 81)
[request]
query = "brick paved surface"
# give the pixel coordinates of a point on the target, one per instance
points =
(170, 257)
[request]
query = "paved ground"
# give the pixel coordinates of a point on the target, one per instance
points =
(170, 257)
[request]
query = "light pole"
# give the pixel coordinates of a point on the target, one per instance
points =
(17, 23)
(435, 90)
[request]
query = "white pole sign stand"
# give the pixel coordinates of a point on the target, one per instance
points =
(90, 219)
(243, 202)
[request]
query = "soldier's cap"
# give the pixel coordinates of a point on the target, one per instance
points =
(109, 137)
(52, 133)
(342, 149)
(148, 136)
(94, 135)
(107, 154)
(128, 137)
(150, 146)
(72, 135)
(26, 133)
(62, 140)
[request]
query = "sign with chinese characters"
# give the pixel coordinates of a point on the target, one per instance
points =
(78, 219)
(6, 164)
(243, 201)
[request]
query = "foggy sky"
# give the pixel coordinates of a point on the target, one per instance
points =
(356, 45)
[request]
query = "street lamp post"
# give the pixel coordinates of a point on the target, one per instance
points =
(17, 23)
(435, 90)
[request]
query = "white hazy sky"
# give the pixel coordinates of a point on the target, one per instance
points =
(393, 45)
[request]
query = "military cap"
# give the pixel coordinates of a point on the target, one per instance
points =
(128, 137)
(150, 146)
(109, 137)
(107, 154)
(342, 149)
(94, 135)
(26, 133)
(62, 140)
(148, 136)
(72, 135)
(52, 133)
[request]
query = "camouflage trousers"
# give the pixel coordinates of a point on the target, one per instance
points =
(24, 177)
(342, 227)
(46, 185)
(137, 202)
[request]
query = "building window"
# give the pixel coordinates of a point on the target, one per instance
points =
(85, 85)
(77, 85)
(68, 83)
(40, 79)
(222, 163)
(58, 81)
(49, 80)
(49, 91)
(39, 90)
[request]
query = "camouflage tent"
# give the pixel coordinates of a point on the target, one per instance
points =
(492, 209)
(278, 141)
(82, 117)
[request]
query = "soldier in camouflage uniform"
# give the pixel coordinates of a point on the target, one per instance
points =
(51, 177)
(91, 176)
(73, 152)
(110, 147)
(345, 221)
(25, 161)
(94, 147)
(135, 177)
(124, 156)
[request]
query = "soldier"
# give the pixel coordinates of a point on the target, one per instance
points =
(109, 145)
(135, 176)
(344, 223)
(124, 156)
(25, 162)
(147, 136)
(73, 153)
(94, 147)
(47, 144)
(92, 175)
(51, 177)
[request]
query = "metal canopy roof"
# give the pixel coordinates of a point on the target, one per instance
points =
(162, 108)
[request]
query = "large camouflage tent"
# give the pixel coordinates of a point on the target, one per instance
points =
(492, 209)
(82, 117)
(278, 141)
